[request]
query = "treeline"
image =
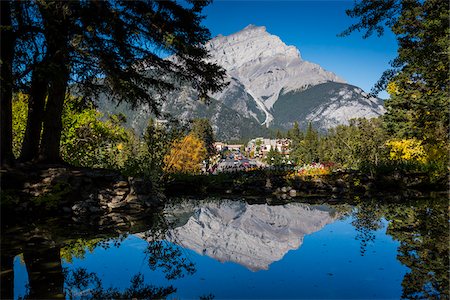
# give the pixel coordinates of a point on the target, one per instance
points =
(363, 144)
(92, 139)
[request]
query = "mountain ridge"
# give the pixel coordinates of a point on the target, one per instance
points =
(270, 86)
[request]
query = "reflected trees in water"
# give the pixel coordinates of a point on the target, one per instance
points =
(81, 284)
(366, 220)
(422, 229)
(423, 233)
(44, 252)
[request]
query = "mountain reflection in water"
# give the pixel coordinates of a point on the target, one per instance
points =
(342, 252)
(251, 235)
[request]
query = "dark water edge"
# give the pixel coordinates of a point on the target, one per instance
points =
(47, 245)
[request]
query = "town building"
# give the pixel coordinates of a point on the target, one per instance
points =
(261, 146)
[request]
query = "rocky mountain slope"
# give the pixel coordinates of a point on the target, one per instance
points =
(270, 85)
(325, 105)
(265, 65)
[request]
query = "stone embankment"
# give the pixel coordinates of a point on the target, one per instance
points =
(279, 185)
(78, 192)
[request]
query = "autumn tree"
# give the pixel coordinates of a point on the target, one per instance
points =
(185, 156)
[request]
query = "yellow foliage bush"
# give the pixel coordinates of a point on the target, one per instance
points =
(185, 156)
(19, 120)
(407, 150)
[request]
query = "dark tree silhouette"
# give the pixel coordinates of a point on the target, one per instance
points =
(113, 47)
(6, 58)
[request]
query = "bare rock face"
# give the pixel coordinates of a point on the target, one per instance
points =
(251, 235)
(265, 65)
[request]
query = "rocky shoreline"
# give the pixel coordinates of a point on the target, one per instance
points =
(98, 195)
(339, 185)
(35, 190)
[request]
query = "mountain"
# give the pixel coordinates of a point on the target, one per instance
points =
(325, 105)
(270, 85)
(253, 236)
(227, 124)
(265, 65)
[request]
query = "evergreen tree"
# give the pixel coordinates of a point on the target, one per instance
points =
(418, 81)
(295, 133)
(201, 128)
(274, 157)
(8, 40)
(306, 150)
(117, 41)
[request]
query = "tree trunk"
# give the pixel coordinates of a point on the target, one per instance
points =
(6, 57)
(45, 273)
(36, 105)
(7, 276)
(51, 135)
(56, 22)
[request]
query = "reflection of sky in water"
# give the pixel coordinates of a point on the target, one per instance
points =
(327, 265)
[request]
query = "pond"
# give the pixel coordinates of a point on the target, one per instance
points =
(223, 249)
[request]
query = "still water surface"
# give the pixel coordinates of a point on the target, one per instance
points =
(231, 249)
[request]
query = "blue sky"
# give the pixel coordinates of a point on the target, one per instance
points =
(311, 26)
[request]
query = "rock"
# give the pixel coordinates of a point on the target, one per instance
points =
(94, 209)
(121, 184)
(117, 199)
(286, 189)
(116, 205)
(79, 208)
(47, 180)
(102, 197)
(139, 186)
(121, 192)
(340, 183)
(87, 180)
(149, 203)
(131, 198)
